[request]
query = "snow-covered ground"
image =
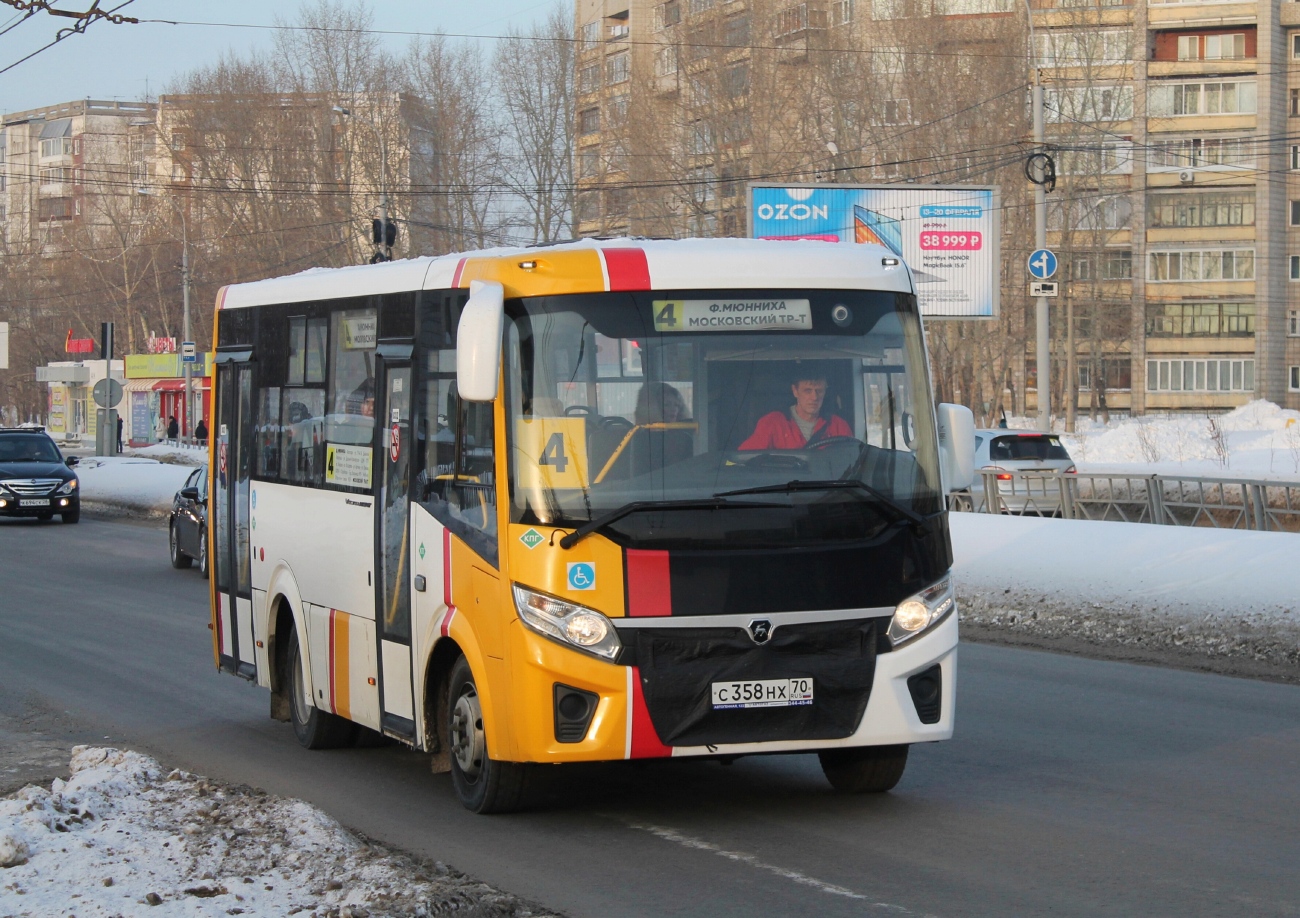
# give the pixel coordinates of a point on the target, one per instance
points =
(124, 835)
(132, 485)
(1257, 440)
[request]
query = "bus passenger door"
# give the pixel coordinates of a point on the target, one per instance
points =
(393, 550)
(231, 512)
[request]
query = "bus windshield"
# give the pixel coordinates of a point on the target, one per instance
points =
(725, 417)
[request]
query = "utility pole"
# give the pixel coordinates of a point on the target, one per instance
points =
(1043, 354)
(185, 324)
(381, 236)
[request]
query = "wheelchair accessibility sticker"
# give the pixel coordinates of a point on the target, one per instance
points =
(582, 575)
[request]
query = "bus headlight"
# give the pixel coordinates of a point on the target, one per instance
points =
(919, 613)
(567, 623)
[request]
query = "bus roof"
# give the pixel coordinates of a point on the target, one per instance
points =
(596, 265)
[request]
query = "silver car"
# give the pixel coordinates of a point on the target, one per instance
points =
(1001, 452)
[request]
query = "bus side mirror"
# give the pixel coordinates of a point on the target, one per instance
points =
(478, 342)
(957, 446)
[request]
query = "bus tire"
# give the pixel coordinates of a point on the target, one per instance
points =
(315, 729)
(482, 783)
(203, 553)
(865, 769)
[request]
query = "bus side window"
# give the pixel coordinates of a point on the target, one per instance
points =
(457, 481)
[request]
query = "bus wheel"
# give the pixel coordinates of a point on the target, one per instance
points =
(865, 769)
(483, 784)
(203, 553)
(314, 728)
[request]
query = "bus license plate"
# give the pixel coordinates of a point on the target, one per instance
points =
(34, 502)
(762, 693)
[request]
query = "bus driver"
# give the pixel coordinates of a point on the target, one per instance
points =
(802, 425)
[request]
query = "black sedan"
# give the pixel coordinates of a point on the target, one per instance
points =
(35, 479)
(188, 524)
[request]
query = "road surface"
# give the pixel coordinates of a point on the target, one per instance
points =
(1073, 787)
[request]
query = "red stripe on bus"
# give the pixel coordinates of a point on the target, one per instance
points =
(627, 269)
(649, 590)
(446, 582)
(455, 278)
(645, 740)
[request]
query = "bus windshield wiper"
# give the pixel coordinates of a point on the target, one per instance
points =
(716, 502)
(833, 484)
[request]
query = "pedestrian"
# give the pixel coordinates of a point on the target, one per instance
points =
(201, 432)
(160, 429)
(173, 430)
(119, 433)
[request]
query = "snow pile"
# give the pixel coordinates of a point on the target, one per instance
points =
(125, 484)
(1175, 593)
(1257, 440)
(123, 835)
(177, 453)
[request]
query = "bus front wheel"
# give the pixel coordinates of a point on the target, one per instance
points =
(483, 784)
(865, 769)
(315, 729)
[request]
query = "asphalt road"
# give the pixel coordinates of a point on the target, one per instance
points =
(1073, 787)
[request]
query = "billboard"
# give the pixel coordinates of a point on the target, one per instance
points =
(949, 235)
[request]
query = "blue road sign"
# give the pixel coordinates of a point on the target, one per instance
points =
(1042, 264)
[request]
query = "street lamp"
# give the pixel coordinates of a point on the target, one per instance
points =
(185, 300)
(383, 179)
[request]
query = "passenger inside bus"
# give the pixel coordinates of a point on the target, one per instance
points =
(802, 424)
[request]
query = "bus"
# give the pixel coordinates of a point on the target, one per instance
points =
(596, 501)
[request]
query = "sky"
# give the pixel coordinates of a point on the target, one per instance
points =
(126, 61)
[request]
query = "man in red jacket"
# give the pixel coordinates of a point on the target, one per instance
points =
(802, 424)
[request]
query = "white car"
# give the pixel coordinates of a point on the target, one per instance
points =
(1002, 451)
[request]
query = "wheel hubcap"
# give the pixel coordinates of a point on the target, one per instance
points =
(300, 703)
(467, 743)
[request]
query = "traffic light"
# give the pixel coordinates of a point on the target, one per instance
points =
(383, 233)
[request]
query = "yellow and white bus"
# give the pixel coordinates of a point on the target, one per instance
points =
(596, 501)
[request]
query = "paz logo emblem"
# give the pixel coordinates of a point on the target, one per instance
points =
(760, 631)
(532, 538)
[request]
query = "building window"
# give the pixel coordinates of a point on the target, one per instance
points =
(1212, 265)
(666, 61)
(618, 68)
(841, 12)
(1200, 320)
(735, 31)
(1295, 156)
(1201, 375)
(1293, 379)
(1202, 153)
(1225, 47)
(590, 35)
(735, 80)
(898, 111)
(1295, 267)
(1295, 213)
(1214, 98)
(1295, 102)
(56, 146)
(695, 7)
(1295, 45)
(589, 121)
(589, 78)
(617, 201)
(1293, 322)
(668, 14)
(589, 162)
(1203, 209)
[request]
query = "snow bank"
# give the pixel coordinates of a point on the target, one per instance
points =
(123, 835)
(130, 485)
(1258, 440)
(1183, 595)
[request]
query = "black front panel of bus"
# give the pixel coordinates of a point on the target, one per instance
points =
(872, 574)
(678, 667)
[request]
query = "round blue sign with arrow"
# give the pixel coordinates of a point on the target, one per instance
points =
(1042, 264)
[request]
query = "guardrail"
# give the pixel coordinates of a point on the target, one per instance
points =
(1222, 503)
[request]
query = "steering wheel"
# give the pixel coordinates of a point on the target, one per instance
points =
(835, 441)
(778, 462)
(577, 409)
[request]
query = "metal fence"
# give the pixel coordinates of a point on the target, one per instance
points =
(1222, 503)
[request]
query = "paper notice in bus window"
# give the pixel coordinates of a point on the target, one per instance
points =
(359, 332)
(551, 453)
(347, 465)
(731, 315)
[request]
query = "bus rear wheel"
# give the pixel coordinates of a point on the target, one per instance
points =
(315, 729)
(865, 769)
(483, 784)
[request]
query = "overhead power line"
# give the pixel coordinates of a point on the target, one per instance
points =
(83, 19)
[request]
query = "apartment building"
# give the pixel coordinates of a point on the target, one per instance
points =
(1177, 207)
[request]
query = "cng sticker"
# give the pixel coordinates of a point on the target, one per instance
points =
(582, 575)
(532, 538)
(553, 453)
(421, 551)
